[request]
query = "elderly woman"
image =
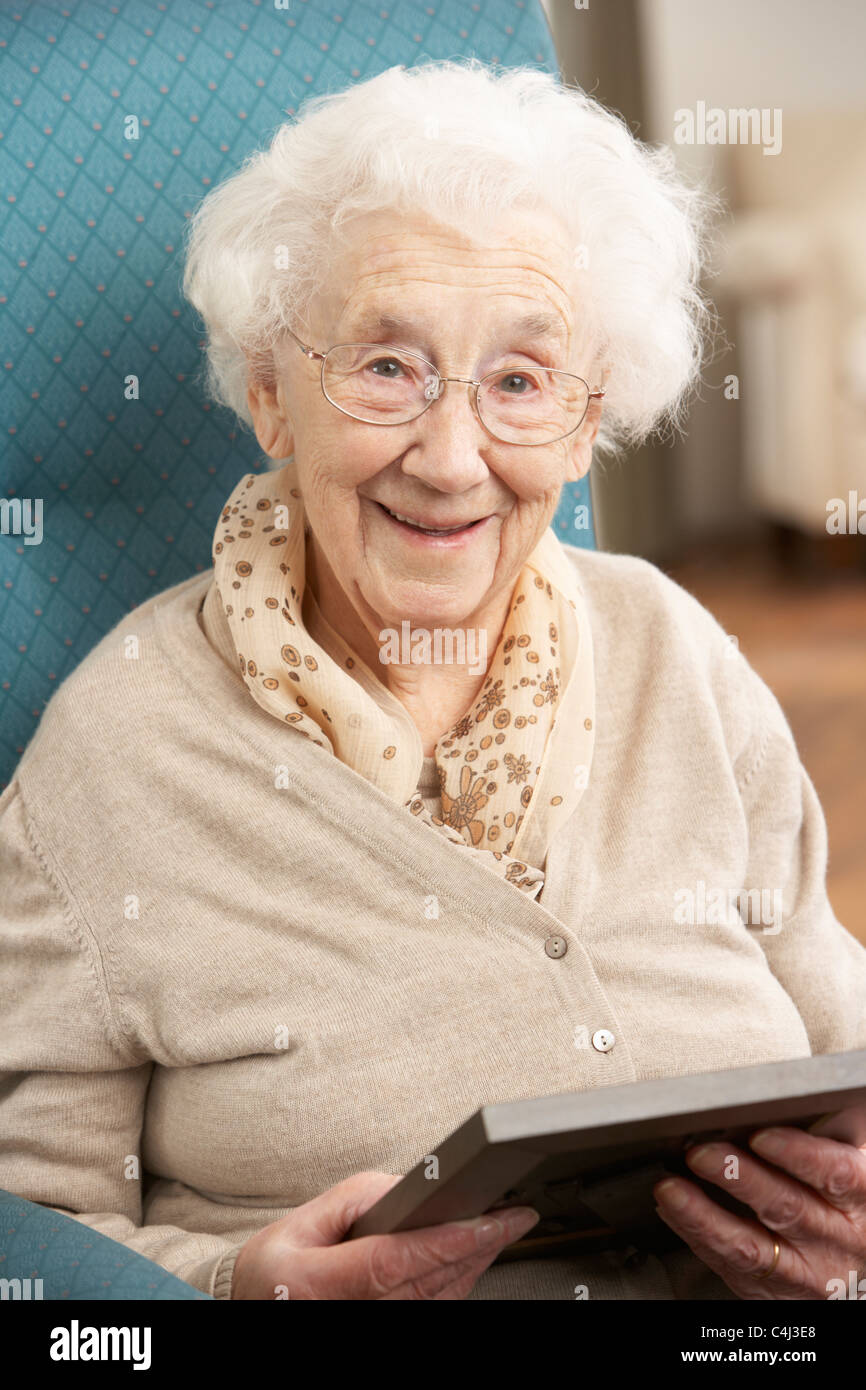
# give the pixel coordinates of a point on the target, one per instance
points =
(406, 807)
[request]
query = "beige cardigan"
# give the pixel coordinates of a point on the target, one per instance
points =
(233, 976)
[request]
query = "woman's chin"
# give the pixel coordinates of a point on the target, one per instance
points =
(420, 616)
(443, 594)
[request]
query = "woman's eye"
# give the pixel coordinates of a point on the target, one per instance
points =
(386, 362)
(506, 383)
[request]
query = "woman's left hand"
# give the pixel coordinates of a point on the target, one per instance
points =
(810, 1195)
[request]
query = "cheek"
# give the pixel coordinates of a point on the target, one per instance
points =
(339, 461)
(535, 477)
(330, 478)
(534, 507)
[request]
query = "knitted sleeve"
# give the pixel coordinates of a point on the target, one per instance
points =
(785, 906)
(72, 1092)
(815, 959)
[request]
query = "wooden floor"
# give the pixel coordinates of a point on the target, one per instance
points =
(805, 635)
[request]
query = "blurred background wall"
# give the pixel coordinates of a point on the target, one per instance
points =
(650, 59)
(759, 508)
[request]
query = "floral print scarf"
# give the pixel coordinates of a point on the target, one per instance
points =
(513, 767)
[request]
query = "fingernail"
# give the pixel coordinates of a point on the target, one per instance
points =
(489, 1231)
(699, 1155)
(768, 1141)
(475, 1233)
(671, 1193)
(520, 1220)
(507, 1226)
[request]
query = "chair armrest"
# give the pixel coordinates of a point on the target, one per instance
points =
(46, 1255)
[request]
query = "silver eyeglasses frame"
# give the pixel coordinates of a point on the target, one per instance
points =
(314, 355)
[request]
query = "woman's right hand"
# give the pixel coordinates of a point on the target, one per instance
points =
(301, 1255)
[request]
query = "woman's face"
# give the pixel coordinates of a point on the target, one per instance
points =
(458, 302)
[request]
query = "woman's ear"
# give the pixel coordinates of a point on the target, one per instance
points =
(581, 442)
(271, 420)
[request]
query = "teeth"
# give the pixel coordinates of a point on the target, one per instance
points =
(442, 531)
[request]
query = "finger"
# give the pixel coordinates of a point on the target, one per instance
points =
(450, 1283)
(457, 1281)
(466, 1282)
(325, 1219)
(374, 1266)
(780, 1202)
(736, 1248)
(835, 1170)
(428, 1258)
(848, 1126)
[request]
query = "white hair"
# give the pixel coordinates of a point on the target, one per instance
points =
(449, 138)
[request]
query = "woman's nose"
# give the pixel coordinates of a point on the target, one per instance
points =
(449, 439)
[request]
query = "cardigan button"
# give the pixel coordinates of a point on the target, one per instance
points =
(603, 1040)
(556, 946)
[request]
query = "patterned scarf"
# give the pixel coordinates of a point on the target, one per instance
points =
(511, 770)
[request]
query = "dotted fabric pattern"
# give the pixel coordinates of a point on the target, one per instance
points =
(91, 228)
(74, 1262)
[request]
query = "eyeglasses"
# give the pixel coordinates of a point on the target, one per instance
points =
(383, 385)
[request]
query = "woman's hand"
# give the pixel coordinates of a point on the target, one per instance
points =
(815, 1208)
(300, 1256)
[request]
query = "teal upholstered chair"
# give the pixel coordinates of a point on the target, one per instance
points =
(44, 1255)
(91, 223)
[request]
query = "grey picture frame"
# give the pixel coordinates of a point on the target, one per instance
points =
(587, 1161)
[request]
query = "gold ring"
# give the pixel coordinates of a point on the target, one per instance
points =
(767, 1272)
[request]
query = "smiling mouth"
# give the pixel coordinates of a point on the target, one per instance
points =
(430, 530)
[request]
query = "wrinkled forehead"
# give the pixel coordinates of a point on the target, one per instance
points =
(385, 265)
(517, 229)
